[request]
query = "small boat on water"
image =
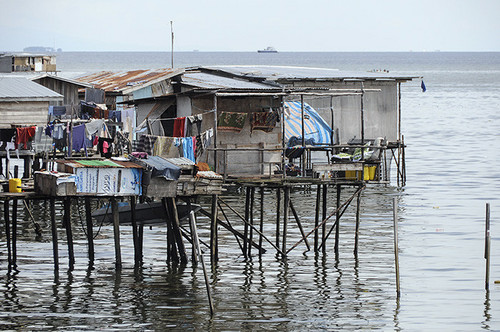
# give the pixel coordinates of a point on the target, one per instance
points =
(268, 49)
(146, 213)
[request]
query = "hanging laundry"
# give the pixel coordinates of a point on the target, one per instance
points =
(24, 135)
(146, 143)
(58, 131)
(93, 127)
(193, 120)
(122, 143)
(57, 110)
(78, 138)
(231, 121)
(265, 121)
(115, 116)
(165, 147)
(128, 119)
(188, 148)
(180, 127)
(104, 146)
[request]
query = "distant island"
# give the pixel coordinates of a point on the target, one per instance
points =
(41, 49)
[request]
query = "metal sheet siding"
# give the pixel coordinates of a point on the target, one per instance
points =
(23, 89)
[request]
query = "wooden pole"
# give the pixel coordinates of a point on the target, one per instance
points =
(356, 234)
(90, 231)
(135, 234)
(337, 219)
(285, 218)
(316, 218)
(7, 232)
(396, 254)
(177, 231)
(323, 227)
(303, 158)
(194, 256)
(487, 248)
(140, 242)
(245, 229)
(116, 232)
(278, 205)
(252, 196)
(69, 232)
(55, 249)
(261, 224)
(171, 249)
(297, 220)
(196, 244)
(14, 232)
(214, 250)
(215, 134)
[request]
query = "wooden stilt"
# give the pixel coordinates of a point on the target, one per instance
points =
(69, 232)
(140, 242)
(356, 234)
(316, 218)
(14, 232)
(487, 248)
(214, 250)
(53, 227)
(194, 255)
(90, 231)
(299, 224)
(285, 218)
(116, 232)
(177, 231)
(196, 244)
(7, 232)
(278, 218)
(245, 229)
(337, 220)
(323, 227)
(252, 196)
(171, 247)
(396, 246)
(261, 224)
(135, 235)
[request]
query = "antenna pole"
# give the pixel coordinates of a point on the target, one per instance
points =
(172, 30)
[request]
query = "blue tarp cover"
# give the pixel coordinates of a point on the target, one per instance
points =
(162, 168)
(317, 131)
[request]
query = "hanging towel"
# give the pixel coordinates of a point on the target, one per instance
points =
(58, 131)
(231, 121)
(24, 135)
(146, 144)
(179, 127)
(188, 148)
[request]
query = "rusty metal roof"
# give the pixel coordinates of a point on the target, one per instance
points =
(124, 82)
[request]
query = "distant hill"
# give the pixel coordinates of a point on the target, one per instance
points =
(40, 49)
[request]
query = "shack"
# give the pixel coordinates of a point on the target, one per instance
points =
(23, 62)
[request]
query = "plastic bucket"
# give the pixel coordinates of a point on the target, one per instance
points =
(14, 185)
(370, 172)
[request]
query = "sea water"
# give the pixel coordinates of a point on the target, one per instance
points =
(452, 132)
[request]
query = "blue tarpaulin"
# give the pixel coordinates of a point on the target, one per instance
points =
(316, 130)
(162, 168)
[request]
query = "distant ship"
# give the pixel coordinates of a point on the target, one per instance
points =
(268, 49)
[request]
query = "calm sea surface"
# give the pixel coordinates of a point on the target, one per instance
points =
(453, 165)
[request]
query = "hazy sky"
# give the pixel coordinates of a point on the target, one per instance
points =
(235, 25)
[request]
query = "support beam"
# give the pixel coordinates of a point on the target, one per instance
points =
(69, 232)
(55, 247)
(90, 231)
(116, 232)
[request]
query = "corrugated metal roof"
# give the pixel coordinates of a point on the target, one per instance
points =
(211, 81)
(33, 76)
(22, 89)
(125, 82)
(274, 73)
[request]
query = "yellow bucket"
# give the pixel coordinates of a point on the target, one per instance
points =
(370, 172)
(350, 175)
(14, 185)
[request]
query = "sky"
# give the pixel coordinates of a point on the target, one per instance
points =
(235, 25)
